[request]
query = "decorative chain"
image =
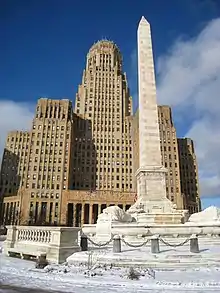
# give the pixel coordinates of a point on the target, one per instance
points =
(138, 245)
(134, 245)
(100, 244)
(174, 245)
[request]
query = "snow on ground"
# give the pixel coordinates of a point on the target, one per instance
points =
(102, 279)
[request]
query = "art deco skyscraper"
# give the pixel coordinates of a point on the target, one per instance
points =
(189, 175)
(170, 156)
(38, 164)
(104, 101)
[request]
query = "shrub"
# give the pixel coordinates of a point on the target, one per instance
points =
(41, 262)
(133, 275)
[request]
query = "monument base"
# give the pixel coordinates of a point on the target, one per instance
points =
(158, 212)
(160, 218)
(149, 224)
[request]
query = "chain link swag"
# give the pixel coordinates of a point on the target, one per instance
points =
(174, 245)
(135, 245)
(100, 244)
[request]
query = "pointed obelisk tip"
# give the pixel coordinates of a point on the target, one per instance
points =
(143, 20)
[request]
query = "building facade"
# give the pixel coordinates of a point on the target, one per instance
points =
(13, 174)
(73, 164)
(89, 151)
(189, 175)
(103, 100)
(170, 156)
(37, 165)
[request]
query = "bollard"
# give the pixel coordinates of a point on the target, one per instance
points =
(194, 244)
(155, 247)
(84, 242)
(116, 244)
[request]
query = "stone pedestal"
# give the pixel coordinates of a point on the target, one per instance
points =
(103, 228)
(159, 218)
(152, 206)
(151, 186)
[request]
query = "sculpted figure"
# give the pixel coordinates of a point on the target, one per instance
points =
(115, 213)
(211, 214)
(137, 207)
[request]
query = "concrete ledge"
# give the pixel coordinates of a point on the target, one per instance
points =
(25, 254)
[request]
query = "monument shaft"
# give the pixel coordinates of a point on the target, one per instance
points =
(151, 174)
(150, 153)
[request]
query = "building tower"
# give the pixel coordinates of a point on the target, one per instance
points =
(170, 156)
(50, 159)
(189, 175)
(13, 174)
(103, 100)
(41, 161)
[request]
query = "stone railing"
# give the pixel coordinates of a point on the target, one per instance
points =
(56, 242)
(43, 236)
(135, 233)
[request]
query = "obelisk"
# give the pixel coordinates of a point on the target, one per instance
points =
(151, 182)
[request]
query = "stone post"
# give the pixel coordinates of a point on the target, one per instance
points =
(155, 247)
(194, 244)
(11, 238)
(116, 244)
(84, 242)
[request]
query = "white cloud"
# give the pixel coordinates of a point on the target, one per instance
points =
(13, 116)
(189, 81)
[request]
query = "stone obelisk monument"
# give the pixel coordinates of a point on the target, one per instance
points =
(151, 174)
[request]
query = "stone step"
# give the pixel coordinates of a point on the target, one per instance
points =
(183, 261)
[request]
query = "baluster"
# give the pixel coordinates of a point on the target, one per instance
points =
(21, 234)
(44, 236)
(41, 236)
(25, 235)
(31, 235)
(48, 236)
(38, 235)
(34, 236)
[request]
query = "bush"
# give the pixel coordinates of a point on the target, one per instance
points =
(133, 275)
(41, 262)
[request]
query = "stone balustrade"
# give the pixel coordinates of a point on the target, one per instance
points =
(34, 235)
(56, 242)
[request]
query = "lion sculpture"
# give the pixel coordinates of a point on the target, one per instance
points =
(115, 214)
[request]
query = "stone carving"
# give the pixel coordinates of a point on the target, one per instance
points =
(97, 196)
(136, 208)
(114, 213)
(211, 214)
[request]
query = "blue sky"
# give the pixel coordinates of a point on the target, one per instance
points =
(44, 46)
